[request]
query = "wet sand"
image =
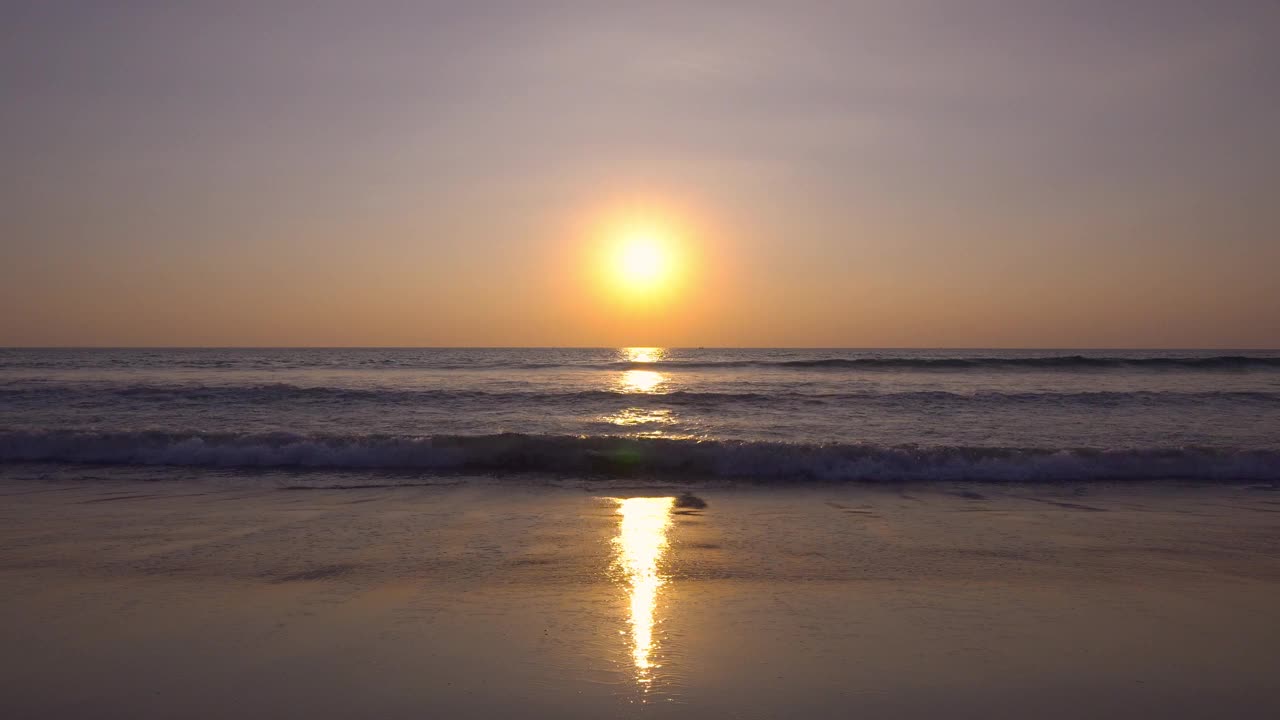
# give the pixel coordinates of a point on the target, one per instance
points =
(503, 598)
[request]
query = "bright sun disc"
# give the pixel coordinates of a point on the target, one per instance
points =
(642, 261)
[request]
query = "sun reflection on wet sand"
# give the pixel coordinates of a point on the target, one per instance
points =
(641, 541)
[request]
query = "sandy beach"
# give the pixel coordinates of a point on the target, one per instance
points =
(227, 596)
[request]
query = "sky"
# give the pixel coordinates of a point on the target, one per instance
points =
(897, 173)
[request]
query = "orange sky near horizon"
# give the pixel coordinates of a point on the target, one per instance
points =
(733, 287)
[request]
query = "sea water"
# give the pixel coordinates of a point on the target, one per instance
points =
(764, 414)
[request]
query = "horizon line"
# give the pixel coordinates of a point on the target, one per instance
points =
(863, 348)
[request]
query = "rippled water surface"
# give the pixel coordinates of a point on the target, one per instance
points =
(833, 414)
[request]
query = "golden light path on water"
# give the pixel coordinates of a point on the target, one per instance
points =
(639, 381)
(643, 354)
(641, 541)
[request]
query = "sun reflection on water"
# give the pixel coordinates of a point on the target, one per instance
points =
(635, 417)
(641, 541)
(639, 381)
(642, 354)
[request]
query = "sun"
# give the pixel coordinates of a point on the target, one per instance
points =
(643, 261)
(640, 260)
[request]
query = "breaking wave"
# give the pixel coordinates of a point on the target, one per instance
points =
(614, 456)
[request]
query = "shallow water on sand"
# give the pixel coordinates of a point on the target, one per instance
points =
(487, 598)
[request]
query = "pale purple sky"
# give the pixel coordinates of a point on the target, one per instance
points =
(895, 173)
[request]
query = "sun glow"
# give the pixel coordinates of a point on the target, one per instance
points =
(642, 260)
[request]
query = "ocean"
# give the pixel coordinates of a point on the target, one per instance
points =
(473, 533)
(772, 415)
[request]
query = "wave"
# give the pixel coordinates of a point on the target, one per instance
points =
(283, 392)
(286, 392)
(615, 456)
(1056, 362)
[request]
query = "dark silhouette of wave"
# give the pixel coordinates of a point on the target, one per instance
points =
(612, 456)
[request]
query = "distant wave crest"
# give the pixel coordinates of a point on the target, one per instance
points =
(290, 393)
(214, 360)
(1055, 362)
(642, 457)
